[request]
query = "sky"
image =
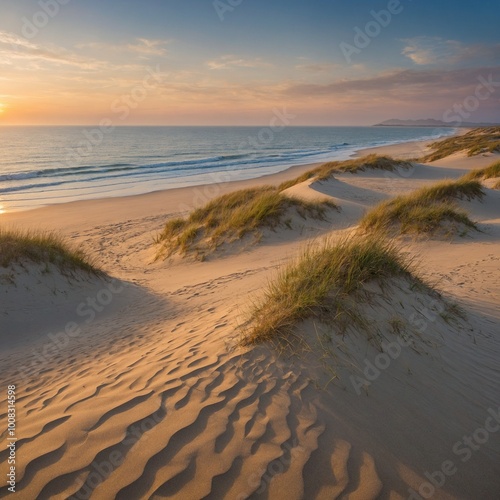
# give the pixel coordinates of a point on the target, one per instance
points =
(235, 62)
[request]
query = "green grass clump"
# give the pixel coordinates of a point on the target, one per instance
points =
(374, 162)
(426, 210)
(319, 284)
(411, 218)
(484, 173)
(232, 216)
(42, 248)
(474, 142)
(449, 190)
(327, 170)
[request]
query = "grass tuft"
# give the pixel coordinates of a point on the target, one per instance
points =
(42, 248)
(232, 216)
(484, 173)
(322, 283)
(327, 170)
(374, 162)
(416, 219)
(301, 178)
(450, 190)
(426, 210)
(474, 142)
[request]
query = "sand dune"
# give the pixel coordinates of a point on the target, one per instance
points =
(154, 398)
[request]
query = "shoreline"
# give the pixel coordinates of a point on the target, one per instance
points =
(172, 201)
(165, 201)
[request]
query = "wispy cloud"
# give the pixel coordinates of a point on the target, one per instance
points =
(434, 50)
(400, 84)
(13, 47)
(317, 67)
(232, 61)
(149, 47)
(141, 46)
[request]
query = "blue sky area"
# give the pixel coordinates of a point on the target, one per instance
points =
(231, 62)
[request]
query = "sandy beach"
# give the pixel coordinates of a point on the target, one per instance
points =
(135, 385)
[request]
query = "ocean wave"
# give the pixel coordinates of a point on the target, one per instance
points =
(94, 173)
(81, 170)
(181, 161)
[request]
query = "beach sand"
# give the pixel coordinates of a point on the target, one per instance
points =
(144, 392)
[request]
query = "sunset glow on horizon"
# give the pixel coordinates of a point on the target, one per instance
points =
(191, 63)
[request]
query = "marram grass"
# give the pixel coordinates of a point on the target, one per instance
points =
(18, 246)
(474, 142)
(319, 281)
(425, 211)
(232, 216)
(484, 173)
(327, 170)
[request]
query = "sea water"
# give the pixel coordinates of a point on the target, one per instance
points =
(47, 165)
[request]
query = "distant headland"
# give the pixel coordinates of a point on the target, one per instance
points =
(429, 122)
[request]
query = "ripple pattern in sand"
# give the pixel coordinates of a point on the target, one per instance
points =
(170, 412)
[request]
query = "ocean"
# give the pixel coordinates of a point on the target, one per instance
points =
(48, 165)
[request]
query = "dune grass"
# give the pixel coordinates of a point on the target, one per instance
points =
(425, 211)
(484, 173)
(373, 162)
(321, 283)
(327, 170)
(232, 216)
(474, 142)
(301, 178)
(18, 246)
(450, 190)
(414, 218)
(496, 185)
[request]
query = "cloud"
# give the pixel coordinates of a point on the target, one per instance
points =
(434, 50)
(20, 56)
(431, 50)
(13, 47)
(313, 67)
(149, 47)
(141, 46)
(420, 85)
(232, 61)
